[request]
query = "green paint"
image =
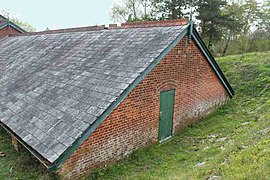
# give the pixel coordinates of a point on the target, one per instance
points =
(190, 28)
(166, 115)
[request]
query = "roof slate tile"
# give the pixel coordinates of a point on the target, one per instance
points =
(55, 86)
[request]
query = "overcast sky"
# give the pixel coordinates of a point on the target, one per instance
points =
(56, 14)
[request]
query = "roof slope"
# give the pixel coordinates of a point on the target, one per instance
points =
(55, 86)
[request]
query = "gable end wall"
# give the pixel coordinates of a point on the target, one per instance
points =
(6, 31)
(134, 123)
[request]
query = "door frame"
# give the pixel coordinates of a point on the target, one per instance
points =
(171, 133)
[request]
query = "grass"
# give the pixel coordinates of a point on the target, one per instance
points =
(19, 165)
(232, 143)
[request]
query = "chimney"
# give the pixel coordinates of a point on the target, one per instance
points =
(113, 26)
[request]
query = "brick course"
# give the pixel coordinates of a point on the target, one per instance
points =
(134, 123)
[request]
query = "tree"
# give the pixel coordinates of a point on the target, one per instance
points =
(264, 16)
(249, 20)
(213, 19)
(170, 9)
(260, 37)
(131, 10)
(23, 24)
(144, 10)
(234, 26)
(173, 9)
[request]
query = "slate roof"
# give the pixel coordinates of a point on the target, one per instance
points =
(54, 86)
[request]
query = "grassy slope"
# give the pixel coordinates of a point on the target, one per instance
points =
(234, 142)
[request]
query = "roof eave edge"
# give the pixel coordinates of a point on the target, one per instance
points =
(213, 63)
(37, 155)
(18, 28)
(56, 164)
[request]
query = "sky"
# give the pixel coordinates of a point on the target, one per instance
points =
(55, 14)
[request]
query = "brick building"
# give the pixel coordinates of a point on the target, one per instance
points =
(82, 98)
(9, 28)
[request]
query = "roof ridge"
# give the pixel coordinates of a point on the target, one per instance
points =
(127, 25)
(75, 29)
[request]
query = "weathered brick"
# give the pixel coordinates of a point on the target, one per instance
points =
(7, 31)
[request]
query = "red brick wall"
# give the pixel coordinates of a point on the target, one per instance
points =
(8, 31)
(134, 123)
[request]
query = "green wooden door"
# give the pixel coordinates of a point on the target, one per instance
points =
(166, 115)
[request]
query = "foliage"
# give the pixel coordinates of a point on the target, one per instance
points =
(19, 165)
(233, 142)
(216, 17)
(24, 25)
(172, 9)
(131, 10)
(144, 10)
(264, 17)
(259, 40)
(250, 10)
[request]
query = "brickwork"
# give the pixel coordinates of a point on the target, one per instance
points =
(7, 31)
(134, 123)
